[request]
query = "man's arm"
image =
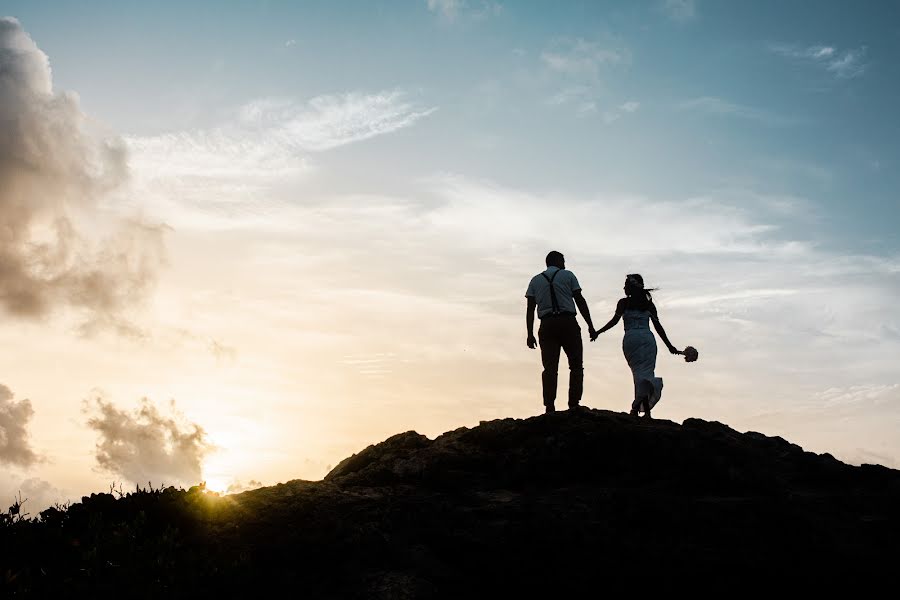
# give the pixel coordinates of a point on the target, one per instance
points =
(529, 322)
(582, 305)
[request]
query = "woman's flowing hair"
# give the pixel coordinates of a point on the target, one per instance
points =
(634, 288)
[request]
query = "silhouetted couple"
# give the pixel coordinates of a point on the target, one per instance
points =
(556, 293)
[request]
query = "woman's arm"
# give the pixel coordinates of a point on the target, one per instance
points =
(662, 333)
(607, 327)
(612, 322)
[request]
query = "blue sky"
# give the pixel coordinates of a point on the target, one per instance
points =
(357, 193)
(785, 122)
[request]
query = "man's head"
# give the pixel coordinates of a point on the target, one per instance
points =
(556, 259)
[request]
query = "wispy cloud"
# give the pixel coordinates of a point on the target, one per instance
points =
(575, 68)
(680, 11)
(453, 10)
(872, 394)
(696, 226)
(842, 64)
(618, 112)
(718, 106)
(213, 178)
(326, 122)
(581, 58)
(271, 137)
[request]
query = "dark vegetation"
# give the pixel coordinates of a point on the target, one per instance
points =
(562, 505)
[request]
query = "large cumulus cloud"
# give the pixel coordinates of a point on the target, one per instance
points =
(59, 248)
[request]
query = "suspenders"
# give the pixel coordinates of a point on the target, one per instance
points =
(553, 300)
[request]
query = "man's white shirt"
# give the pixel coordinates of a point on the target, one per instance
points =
(565, 284)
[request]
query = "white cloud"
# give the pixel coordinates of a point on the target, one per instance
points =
(873, 395)
(15, 448)
(36, 494)
(290, 43)
(61, 247)
(238, 487)
(270, 141)
(271, 138)
(575, 67)
(718, 106)
(471, 209)
(842, 64)
(617, 113)
(680, 10)
(145, 446)
(448, 9)
(327, 122)
(453, 10)
(581, 58)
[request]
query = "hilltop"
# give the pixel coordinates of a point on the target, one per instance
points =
(566, 503)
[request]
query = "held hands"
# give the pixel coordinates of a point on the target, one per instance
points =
(593, 333)
(532, 343)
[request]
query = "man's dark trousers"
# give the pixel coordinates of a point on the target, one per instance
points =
(555, 333)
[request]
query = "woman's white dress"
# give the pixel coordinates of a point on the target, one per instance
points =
(639, 347)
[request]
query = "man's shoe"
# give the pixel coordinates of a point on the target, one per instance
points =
(549, 409)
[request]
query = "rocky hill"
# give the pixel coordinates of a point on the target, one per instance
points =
(560, 505)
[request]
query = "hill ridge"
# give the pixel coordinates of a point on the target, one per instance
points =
(551, 505)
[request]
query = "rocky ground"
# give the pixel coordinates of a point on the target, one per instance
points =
(560, 505)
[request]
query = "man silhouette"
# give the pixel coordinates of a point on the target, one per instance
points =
(555, 293)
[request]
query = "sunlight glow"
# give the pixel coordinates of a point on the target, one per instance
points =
(218, 484)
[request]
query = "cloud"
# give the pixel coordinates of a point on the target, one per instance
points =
(145, 445)
(237, 487)
(448, 9)
(452, 10)
(15, 448)
(270, 138)
(718, 106)
(680, 11)
(58, 246)
(623, 109)
(215, 177)
(695, 226)
(579, 57)
(290, 43)
(842, 64)
(36, 493)
(574, 67)
(871, 395)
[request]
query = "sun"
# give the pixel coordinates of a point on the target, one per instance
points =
(218, 484)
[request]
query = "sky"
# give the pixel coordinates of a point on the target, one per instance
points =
(242, 241)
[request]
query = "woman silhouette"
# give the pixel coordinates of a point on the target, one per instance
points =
(639, 345)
